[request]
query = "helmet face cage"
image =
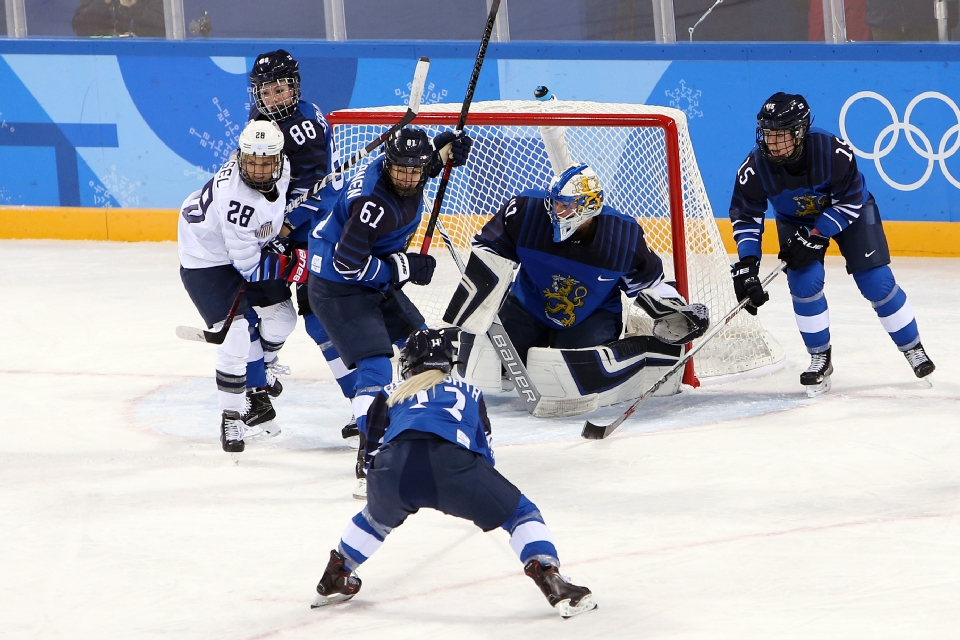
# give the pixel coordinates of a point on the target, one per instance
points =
(279, 72)
(408, 148)
(427, 349)
(577, 190)
(260, 139)
(783, 112)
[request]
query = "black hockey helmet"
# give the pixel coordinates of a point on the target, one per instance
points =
(276, 67)
(409, 147)
(784, 112)
(427, 349)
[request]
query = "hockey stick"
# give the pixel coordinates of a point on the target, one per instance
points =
(416, 94)
(534, 403)
(598, 432)
(461, 122)
(214, 337)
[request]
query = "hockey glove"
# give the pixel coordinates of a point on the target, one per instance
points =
(296, 267)
(414, 267)
(803, 249)
(451, 144)
(279, 245)
(675, 321)
(746, 283)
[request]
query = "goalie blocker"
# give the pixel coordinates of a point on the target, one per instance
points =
(485, 283)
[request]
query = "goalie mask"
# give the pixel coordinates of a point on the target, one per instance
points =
(575, 196)
(782, 125)
(428, 349)
(275, 83)
(407, 151)
(260, 155)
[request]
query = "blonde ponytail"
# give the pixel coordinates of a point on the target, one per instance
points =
(423, 381)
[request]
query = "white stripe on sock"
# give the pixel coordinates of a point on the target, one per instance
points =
(356, 538)
(813, 324)
(900, 319)
(530, 531)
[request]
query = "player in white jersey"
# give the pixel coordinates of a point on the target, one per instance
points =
(222, 230)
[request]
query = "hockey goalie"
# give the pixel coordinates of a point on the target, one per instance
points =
(553, 265)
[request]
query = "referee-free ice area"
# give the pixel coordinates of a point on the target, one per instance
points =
(743, 510)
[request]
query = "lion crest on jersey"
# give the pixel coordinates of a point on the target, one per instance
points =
(808, 205)
(562, 298)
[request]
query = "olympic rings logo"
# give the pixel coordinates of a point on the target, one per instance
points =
(890, 135)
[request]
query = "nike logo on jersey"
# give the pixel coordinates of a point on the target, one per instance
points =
(602, 279)
(867, 255)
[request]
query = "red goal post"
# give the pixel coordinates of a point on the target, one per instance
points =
(644, 158)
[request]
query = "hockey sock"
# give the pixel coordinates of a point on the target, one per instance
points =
(810, 306)
(256, 373)
(232, 365)
(346, 378)
(361, 538)
(530, 538)
(373, 374)
(890, 302)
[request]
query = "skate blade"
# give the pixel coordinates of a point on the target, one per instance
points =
(261, 432)
(360, 493)
(926, 382)
(566, 610)
(322, 601)
(815, 390)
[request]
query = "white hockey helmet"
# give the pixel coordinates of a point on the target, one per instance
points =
(261, 154)
(575, 196)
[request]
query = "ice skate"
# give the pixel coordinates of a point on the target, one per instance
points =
(568, 599)
(273, 371)
(360, 491)
(337, 584)
(232, 430)
(918, 359)
(350, 430)
(816, 379)
(260, 409)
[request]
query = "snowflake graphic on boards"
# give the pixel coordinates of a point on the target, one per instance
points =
(223, 145)
(686, 100)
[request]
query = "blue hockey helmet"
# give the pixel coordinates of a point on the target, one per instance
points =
(575, 196)
(783, 112)
(275, 82)
(427, 349)
(408, 148)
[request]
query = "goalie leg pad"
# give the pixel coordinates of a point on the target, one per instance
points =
(616, 372)
(485, 282)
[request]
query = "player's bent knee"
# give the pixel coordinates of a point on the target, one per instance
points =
(277, 321)
(875, 284)
(232, 354)
(806, 282)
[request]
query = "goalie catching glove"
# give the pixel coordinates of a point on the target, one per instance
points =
(674, 321)
(485, 283)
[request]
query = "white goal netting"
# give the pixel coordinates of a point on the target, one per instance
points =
(628, 146)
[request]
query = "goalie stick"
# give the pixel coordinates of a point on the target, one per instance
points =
(534, 403)
(416, 94)
(598, 432)
(214, 337)
(461, 122)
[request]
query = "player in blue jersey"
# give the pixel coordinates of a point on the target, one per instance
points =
(428, 446)
(576, 255)
(308, 144)
(810, 178)
(358, 259)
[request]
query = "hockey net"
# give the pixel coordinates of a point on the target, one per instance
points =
(646, 164)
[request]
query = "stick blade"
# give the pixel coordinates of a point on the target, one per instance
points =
(419, 81)
(199, 335)
(594, 431)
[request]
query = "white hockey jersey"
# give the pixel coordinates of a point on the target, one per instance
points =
(227, 222)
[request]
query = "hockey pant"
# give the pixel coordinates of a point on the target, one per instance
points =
(428, 472)
(876, 285)
(269, 328)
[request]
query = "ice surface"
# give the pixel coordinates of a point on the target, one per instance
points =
(738, 511)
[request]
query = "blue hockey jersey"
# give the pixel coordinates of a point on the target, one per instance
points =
(367, 223)
(453, 410)
(308, 144)
(823, 189)
(562, 283)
